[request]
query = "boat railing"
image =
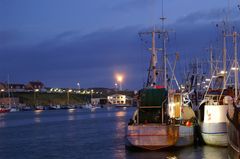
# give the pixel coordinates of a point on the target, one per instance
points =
(212, 100)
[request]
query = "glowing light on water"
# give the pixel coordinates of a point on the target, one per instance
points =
(37, 120)
(120, 114)
(71, 117)
(71, 110)
(2, 124)
(172, 157)
(37, 112)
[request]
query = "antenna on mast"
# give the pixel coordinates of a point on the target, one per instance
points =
(228, 12)
(162, 18)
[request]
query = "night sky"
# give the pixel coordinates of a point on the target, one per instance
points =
(62, 42)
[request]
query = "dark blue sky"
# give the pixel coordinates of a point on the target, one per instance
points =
(61, 42)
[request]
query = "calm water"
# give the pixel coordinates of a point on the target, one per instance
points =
(79, 134)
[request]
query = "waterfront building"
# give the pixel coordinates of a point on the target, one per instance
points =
(16, 87)
(98, 101)
(35, 85)
(116, 99)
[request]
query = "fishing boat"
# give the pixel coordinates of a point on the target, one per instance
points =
(4, 109)
(183, 116)
(149, 128)
(54, 107)
(39, 107)
(214, 109)
(216, 101)
(14, 109)
(233, 127)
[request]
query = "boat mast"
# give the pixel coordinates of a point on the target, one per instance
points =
(8, 88)
(211, 60)
(235, 64)
(154, 60)
(226, 31)
(224, 60)
(210, 50)
(153, 71)
(165, 60)
(164, 50)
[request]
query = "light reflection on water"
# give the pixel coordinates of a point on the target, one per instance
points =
(2, 120)
(171, 157)
(37, 119)
(2, 124)
(71, 115)
(120, 114)
(71, 110)
(37, 112)
(214, 152)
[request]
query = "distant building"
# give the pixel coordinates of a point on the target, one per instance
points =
(16, 87)
(12, 87)
(35, 85)
(121, 99)
(99, 101)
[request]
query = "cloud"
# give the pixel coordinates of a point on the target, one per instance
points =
(208, 16)
(92, 59)
(67, 57)
(7, 37)
(133, 4)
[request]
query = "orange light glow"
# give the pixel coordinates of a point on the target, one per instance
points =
(119, 77)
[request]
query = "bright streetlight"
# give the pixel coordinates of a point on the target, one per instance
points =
(116, 85)
(78, 84)
(119, 78)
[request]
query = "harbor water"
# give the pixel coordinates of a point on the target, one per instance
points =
(79, 134)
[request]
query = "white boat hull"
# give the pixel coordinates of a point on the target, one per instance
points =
(215, 134)
(152, 136)
(218, 139)
(214, 128)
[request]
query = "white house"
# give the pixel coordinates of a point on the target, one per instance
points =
(116, 99)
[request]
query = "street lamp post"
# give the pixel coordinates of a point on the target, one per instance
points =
(35, 96)
(68, 96)
(91, 92)
(78, 84)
